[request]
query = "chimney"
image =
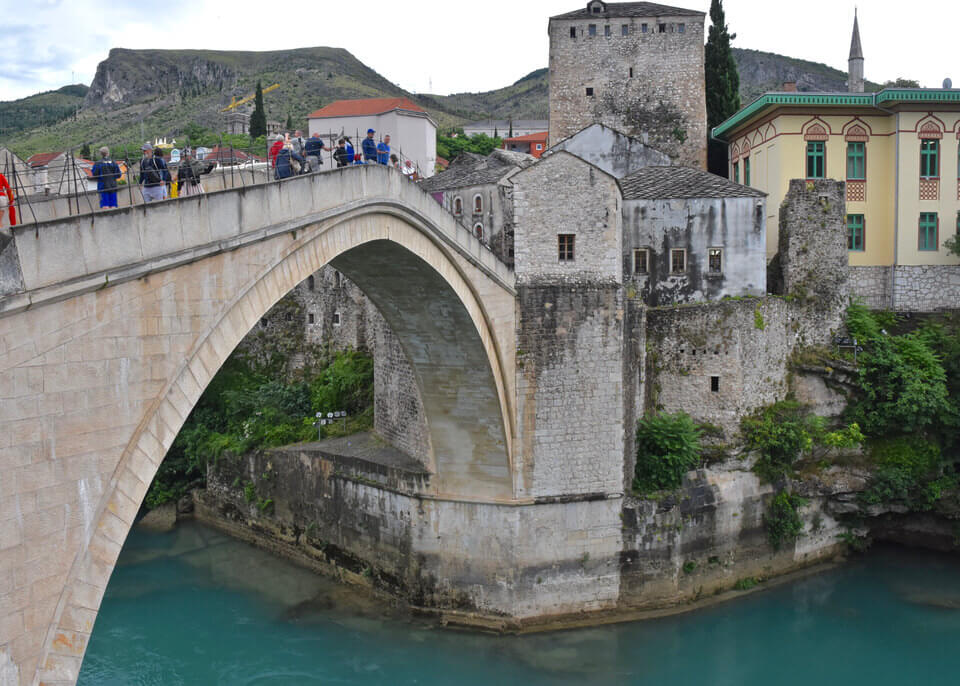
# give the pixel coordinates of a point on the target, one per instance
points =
(789, 87)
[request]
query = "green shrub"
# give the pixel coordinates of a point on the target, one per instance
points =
(781, 433)
(782, 520)
(906, 470)
(668, 445)
(746, 583)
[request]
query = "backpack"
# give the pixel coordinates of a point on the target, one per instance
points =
(109, 173)
(151, 174)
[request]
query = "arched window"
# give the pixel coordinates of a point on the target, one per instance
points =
(478, 204)
(478, 230)
(310, 283)
(457, 206)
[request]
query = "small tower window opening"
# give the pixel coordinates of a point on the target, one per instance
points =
(565, 245)
(478, 204)
(714, 384)
(457, 206)
(478, 230)
(589, 92)
(624, 29)
(607, 30)
(661, 28)
(631, 72)
(715, 261)
(336, 318)
(337, 278)
(310, 318)
(678, 261)
(643, 28)
(641, 261)
(573, 31)
(681, 28)
(311, 284)
(592, 29)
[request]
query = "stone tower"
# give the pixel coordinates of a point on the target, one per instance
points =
(636, 67)
(855, 76)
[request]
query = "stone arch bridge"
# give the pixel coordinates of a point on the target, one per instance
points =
(112, 324)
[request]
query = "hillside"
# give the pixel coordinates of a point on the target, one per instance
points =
(138, 94)
(40, 109)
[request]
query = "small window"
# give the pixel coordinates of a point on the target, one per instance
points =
(565, 244)
(856, 161)
(592, 29)
(607, 31)
(337, 278)
(678, 261)
(641, 261)
(310, 318)
(311, 284)
(736, 172)
(539, 146)
(631, 72)
(596, 9)
(929, 158)
(661, 28)
(929, 228)
(573, 31)
(681, 28)
(263, 323)
(815, 160)
(589, 92)
(624, 29)
(855, 232)
(478, 230)
(715, 261)
(746, 171)
(457, 206)
(714, 384)
(643, 28)
(336, 318)
(478, 204)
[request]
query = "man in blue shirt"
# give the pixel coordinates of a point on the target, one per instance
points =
(106, 172)
(369, 147)
(383, 151)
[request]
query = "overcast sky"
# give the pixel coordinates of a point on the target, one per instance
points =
(445, 46)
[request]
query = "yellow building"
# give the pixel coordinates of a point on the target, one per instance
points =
(898, 152)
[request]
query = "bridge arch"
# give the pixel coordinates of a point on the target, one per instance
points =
(448, 313)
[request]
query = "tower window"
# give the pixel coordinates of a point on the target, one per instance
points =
(643, 28)
(592, 29)
(589, 92)
(310, 283)
(631, 72)
(715, 261)
(714, 384)
(681, 28)
(573, 31)
(607, 31)
(624, 29)
(310, 318)
(661, 28)
(565, 245)
(678, 261)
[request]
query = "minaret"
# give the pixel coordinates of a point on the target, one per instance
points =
(855, 72)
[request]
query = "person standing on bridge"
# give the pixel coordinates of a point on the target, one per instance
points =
(369, 147)
(313, 151)
(383, 151)
(152, 180)
(107, 173)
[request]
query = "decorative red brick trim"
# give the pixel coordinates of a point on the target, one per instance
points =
(856, 191)
(929, 189)
(930, 130)
(857, 134)
(816, 133)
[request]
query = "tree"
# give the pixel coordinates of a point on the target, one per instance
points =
(902, 83)
(722, 83)
(258, 120)
(289, 122)
(85, 151)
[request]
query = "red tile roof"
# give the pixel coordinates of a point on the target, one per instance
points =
(42, 159)
(366, 107)
(529, 138)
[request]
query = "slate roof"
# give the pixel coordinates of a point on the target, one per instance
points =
(364, 107)
(632, 9)
(471, 169)
(669, 183)
(529, 138)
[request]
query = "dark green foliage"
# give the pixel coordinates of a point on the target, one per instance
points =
(782, 520)
(903, 381)
(84, 151)
(290, 122)
(720, 69)
(746, 583)
(781, 433)
(258, 119)
(689, 567)
(668, 446)
(449, 148)
(244, 408)
(41, 109)
(906, 470)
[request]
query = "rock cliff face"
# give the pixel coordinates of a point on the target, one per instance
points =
(765, 71)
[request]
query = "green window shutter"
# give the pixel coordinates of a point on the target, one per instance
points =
(856, 161)
(928, 239)
(929, 158)
(746, 171)
(815, 160)
(736, 172)
(855, 233)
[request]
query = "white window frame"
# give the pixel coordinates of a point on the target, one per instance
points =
(479, 236)
(457, 200)
(479, 197)
(709, 271)
(337, 319)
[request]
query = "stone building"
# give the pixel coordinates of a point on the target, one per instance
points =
(897, 152)
(692, 236)
(635, 66)
(476, 189)
(615, 153)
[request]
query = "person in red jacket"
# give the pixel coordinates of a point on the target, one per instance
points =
(274, 149)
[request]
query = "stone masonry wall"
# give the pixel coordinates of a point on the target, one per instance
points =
(926, 288)
(663, 102)
(872, 285)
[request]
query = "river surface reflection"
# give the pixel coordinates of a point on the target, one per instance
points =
(196, 607)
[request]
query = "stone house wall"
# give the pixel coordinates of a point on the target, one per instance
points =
(662, 100)
(496, 217)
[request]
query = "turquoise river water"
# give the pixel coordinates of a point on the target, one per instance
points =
(195, 607)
